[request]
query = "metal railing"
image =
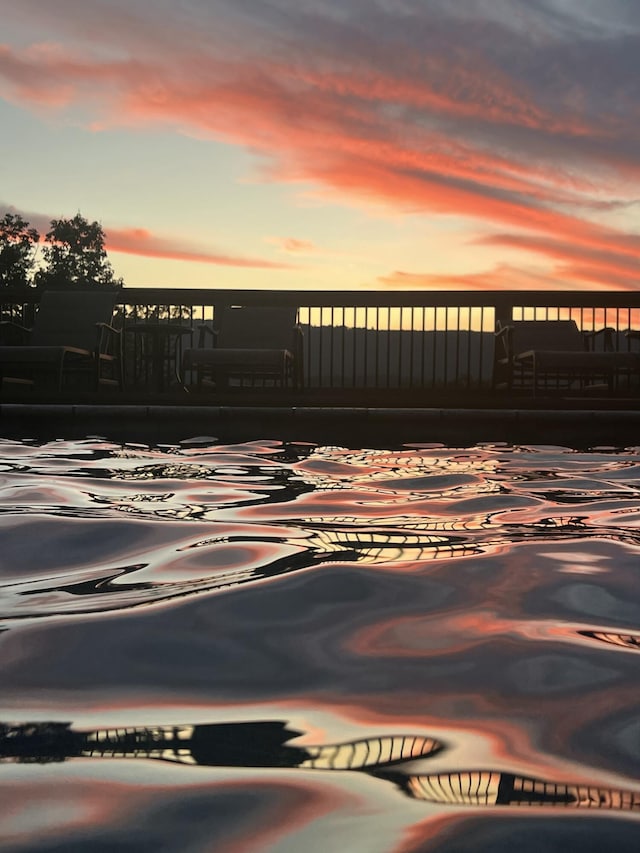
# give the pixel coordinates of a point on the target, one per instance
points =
(374, 340)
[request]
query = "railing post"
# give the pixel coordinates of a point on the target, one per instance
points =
(503, 310)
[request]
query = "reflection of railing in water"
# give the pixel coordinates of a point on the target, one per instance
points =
(491, 788)
(252, 744)
(318, 542)
(626, 640)
(266, 744)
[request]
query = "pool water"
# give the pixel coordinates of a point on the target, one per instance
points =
(292, 647)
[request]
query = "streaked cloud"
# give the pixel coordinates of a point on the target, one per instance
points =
(500, 277)
(519, 114)
(292, 245)
(139, 241)
(619, 264)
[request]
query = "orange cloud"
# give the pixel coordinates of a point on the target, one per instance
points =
(425, 111)
(292, 245)
(500, 277)
(138, 241)
(577, 260)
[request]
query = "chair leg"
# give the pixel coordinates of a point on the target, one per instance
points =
(60, 378)
(97, 374)
(534, 377)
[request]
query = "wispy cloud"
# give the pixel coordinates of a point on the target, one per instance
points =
(617, 263)
(500, 277)
(527, 120)
(293, 245)
(140, 241)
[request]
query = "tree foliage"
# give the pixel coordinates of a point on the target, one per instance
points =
(18, 245)
(75, 256)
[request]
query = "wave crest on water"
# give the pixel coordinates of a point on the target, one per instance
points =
(449, 628)
(313, 504)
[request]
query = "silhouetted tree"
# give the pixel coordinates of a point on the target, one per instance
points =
(75, 256)
(18, 244)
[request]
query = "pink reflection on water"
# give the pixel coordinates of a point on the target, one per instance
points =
(517, 520)
(44, 808)
(83, 809)
(292, 807)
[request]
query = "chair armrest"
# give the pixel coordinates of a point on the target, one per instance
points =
(203, 330)
(503, 330)
(527, 355)
(503, 334)
(109, 328)
(106, 335)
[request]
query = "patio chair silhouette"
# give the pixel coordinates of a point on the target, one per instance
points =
(249, 342)
(556, 354)
(71, 336)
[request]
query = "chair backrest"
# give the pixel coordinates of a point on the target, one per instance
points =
(558, 335)
(254, 327)
(68, 318)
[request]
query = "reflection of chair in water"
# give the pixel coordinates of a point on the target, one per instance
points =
(251, 744)
(249, 343)
(554, 355)
(388, 546)
(493, 788)
(71, 336)
(266, 744)
(628, 641)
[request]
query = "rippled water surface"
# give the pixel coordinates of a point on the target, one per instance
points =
(292, 647)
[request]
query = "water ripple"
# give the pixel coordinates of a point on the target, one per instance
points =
(453, 629)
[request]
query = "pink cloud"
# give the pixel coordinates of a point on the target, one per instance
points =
(424, 112)
(138, 241)
(501, 277)
(292, 245)
(141, 242)
(582, 261)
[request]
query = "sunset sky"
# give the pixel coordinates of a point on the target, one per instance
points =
(332, 144)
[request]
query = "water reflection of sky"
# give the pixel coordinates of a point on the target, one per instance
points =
(486, 597)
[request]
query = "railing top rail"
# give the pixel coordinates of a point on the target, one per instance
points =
(372, 298)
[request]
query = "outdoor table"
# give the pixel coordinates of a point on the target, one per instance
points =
(159, 335)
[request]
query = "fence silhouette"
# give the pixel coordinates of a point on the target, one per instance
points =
(372, 341)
